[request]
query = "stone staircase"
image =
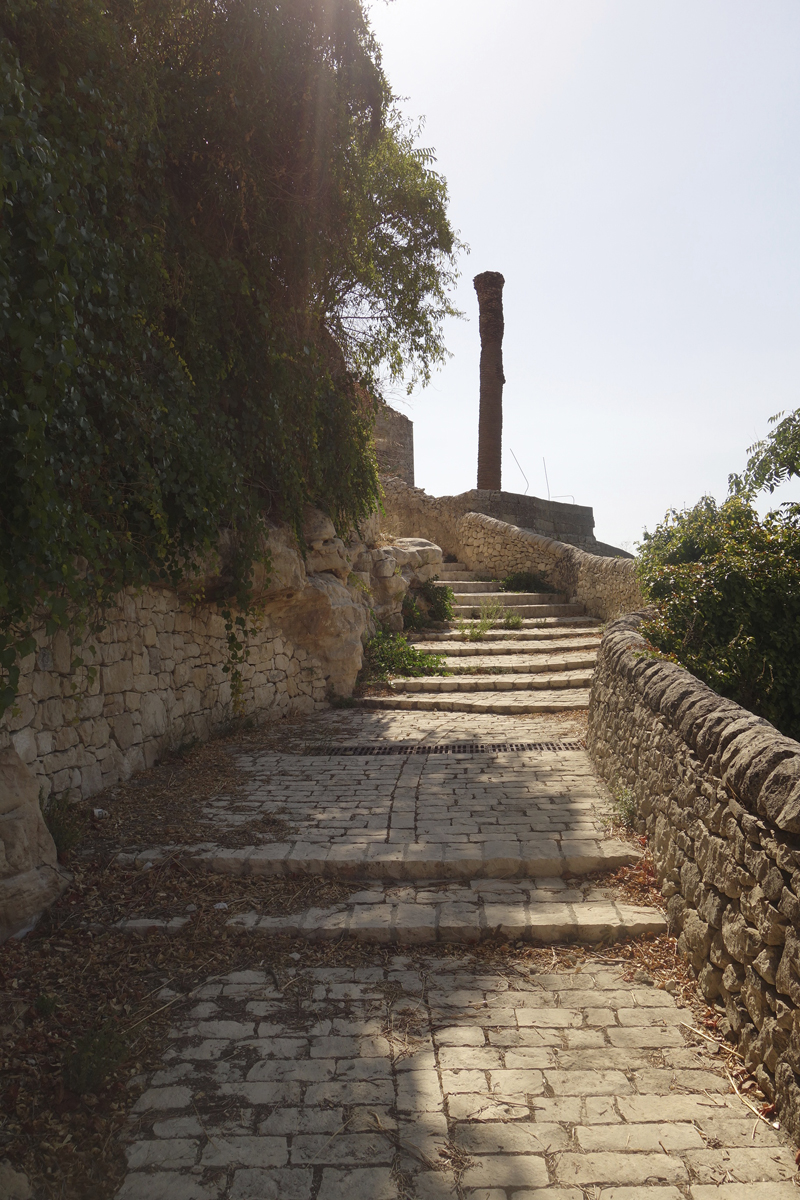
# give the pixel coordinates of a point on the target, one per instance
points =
(447, 829)
(544, 666)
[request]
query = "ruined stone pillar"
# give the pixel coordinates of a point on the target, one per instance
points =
(489, 287)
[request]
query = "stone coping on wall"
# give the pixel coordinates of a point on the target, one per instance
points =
(412, 510)
(757, 764)
(717, 790)
(606, 586)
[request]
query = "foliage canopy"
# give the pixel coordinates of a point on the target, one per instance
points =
(216, 236)
(773, 459)
(726, 586)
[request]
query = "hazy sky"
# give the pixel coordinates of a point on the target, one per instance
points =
(633, 169)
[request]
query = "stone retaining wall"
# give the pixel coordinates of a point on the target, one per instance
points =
(718, 791)
(411, 511)
(606, 586)
(159, 677)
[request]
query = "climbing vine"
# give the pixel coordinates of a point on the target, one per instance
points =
(215, 235)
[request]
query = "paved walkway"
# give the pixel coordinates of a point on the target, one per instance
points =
(405, 1070)
(429, 1079)
(543, 666)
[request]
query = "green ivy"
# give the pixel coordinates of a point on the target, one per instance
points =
(215, 234)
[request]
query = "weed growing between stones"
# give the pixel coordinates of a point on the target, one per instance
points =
(624, 807)
(64, 821)
(389, 654)
(512, 620)
(524, 581)
(485, 618)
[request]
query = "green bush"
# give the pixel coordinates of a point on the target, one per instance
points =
(438, 605)
(390, 654)
(512, 620)
(726, 586)
(524, 581)
(440, 599)
(413, 617)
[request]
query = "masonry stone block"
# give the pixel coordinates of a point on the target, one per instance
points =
(722, 791)
(30, 878)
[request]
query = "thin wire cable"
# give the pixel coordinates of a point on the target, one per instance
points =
(522, 473)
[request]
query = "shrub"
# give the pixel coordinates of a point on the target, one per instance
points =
(439, 599)
(95, 1058)
(413, 616)
(390, 654)
(512, 620)
(726, 587)
(524, 581)
(64, 821)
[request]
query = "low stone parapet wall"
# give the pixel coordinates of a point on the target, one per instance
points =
(718, 791)
(411, 511)
(606, 586)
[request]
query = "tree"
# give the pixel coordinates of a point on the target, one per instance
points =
(489, 287)
(217, 233)
(772, 460)
(726, 586)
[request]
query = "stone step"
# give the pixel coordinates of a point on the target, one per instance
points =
(395, 861)
(512, 703)
(511, 599)
(530, 633)
(539, 681)
(487, 648)
(517, 664)
(532, 626)
(457, 568)
(530, 910)
(532, 611)
(473, 586)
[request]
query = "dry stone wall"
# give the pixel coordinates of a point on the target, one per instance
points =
(30, 877)
(410, 510)
(718, 791)
(159, 675)
(606, 586)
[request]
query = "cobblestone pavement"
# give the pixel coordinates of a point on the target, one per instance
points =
(419, 1077)
(538, 910)
(494, 814)
(433, 1078)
